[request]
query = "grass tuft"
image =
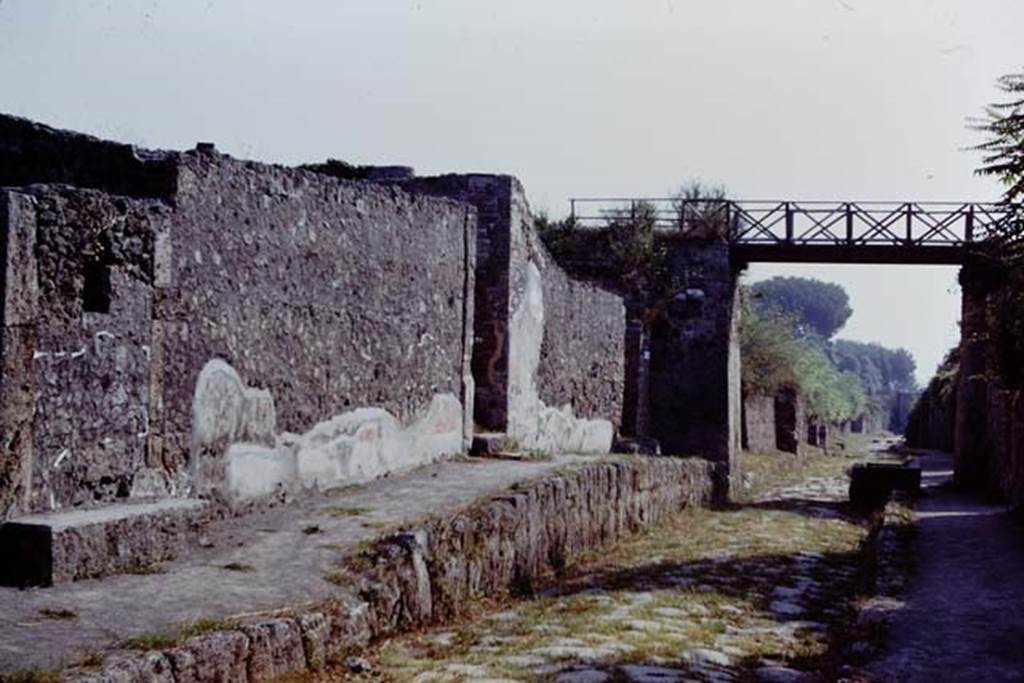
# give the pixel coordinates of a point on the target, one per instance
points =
(349, 511)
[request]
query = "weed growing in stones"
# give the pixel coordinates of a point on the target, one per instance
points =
(238, 567)
(58, 614)
(93, 659)
(31, 676)
(165, 641)
(349, 511)
(151, 641)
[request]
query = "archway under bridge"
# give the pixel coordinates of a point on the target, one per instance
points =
(693, 402)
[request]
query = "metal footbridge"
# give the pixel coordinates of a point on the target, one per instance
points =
(815, 231)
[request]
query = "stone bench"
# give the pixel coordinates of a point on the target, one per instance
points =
(873, 483)
(57, 547)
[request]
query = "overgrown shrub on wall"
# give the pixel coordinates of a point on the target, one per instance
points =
(831, 395)
(930, 424)
(768, 348)
(774, 356)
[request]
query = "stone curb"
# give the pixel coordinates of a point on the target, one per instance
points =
(891, 546)
(431, 573)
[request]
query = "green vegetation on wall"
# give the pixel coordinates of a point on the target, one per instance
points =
(775, 356)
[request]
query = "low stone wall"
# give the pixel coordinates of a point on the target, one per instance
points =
(430, 573)
(759, 424)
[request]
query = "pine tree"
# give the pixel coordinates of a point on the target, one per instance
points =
(1004, 150)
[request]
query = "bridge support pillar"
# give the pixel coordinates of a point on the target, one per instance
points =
(695, 395)
(972, 452)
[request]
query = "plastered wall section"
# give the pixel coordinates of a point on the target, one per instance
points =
(317, 331)
(759, 424)
(566, 349)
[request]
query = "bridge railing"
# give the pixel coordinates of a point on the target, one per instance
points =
(773, 222)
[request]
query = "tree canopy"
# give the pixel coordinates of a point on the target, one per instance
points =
(1004, 149)
(819, 308)
(881, 370)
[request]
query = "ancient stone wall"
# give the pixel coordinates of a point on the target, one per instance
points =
(988, 437)
(759, 424)
(931, 423)
(972, 453)
(262, 329)
(564, 336)
(548, 359)
(790, 420)
(335, 296)
(582, 355)
(77, 341)
(491, 195)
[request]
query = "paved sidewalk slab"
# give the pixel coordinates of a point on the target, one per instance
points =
(962, 618)
(249, 565)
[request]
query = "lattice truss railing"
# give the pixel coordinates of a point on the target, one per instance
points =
(809, 223)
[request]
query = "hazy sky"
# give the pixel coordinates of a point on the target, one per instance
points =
(799, 99)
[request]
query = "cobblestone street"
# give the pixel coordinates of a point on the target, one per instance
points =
(765, 590)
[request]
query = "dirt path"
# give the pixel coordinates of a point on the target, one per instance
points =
(964, 613)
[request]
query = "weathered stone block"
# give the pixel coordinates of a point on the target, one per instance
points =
(219, 656)
(492, 444)
(759, 424)
(871, 484)
(153, 667)
(275, 649)
(57, 547)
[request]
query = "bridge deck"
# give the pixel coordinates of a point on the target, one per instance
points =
(816, 232)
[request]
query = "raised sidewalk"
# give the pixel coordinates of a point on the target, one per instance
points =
(288, 600)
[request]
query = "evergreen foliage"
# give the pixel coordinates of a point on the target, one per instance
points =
(1004, 148)
(768, 348)
(820, 308)
(881, 370)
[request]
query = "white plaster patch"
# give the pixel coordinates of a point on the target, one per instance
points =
(369, 442)
(354, 447)
(253, 471)
(533, 424)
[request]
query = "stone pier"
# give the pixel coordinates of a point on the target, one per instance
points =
(696, 399)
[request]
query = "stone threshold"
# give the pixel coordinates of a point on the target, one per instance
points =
(429, 571)
(68, 545)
